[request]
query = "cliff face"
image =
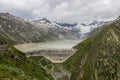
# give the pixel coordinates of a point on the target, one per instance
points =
(98, 57)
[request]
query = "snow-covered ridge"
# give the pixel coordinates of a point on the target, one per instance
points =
(80, 29)
(44, 28)
(88, 28)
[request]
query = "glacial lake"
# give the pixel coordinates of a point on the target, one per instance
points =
(51, 45)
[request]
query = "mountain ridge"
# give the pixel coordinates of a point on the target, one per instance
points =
(24, 31)
(97, 56)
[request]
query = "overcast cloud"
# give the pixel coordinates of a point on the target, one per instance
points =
(63, 10)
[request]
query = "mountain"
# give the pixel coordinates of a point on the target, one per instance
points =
(18, 29)
(21, 30)
(25, 31)
(14, 65)
(82, 30)
(48, 27)
(67, 24)
(98, 57)
(4, 40)
(97, 23)
(44, 21)
(79, 30)
(86, 29)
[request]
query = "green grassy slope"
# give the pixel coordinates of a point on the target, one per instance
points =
(15, 65)
(98, 57)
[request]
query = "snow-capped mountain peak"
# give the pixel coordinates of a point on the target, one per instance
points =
(83, 29)
(79, 29)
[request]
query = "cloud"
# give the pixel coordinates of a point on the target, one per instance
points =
(63, 10)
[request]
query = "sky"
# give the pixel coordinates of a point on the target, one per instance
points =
(71, 11)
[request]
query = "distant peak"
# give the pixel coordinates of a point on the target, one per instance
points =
(67, 24)
(46, 20)
(5, 13)
(83, 24)
(96, 22)
(43, 20)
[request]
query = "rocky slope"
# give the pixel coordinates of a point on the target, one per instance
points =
(24, 31)
(21, 30)
(17, 29)
(50, 28)
(4, 40)
(98, 57)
